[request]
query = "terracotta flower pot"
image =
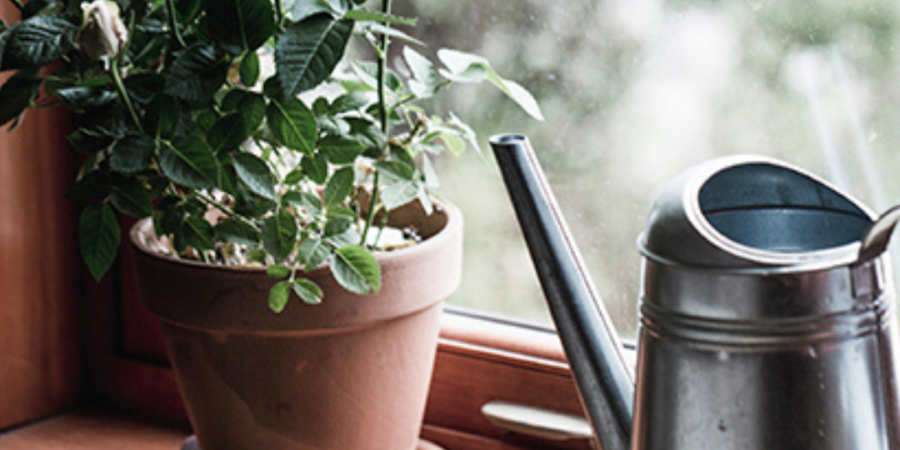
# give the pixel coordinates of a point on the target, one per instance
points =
(350, 373)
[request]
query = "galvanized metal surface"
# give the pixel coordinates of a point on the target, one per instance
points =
(760, 329)
(767, 312)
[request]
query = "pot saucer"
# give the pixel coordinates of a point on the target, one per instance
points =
(191, 444)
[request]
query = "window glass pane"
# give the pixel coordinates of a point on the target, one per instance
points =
(635, 91)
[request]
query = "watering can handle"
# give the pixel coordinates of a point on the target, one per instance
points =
(879, 235)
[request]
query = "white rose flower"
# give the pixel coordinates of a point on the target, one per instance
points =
(102, 35)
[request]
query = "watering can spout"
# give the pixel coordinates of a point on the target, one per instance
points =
(604, 381)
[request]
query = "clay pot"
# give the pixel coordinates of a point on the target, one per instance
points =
(350, 373)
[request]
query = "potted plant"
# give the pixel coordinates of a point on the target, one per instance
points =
(267, 167)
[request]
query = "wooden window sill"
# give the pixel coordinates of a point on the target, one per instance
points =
(92, 430)
(103, 430)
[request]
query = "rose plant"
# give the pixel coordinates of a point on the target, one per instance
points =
(178, 115)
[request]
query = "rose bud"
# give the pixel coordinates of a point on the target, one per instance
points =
(102, 35)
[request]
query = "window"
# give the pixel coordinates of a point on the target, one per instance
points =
(635, 92)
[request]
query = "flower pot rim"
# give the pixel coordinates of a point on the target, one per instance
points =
(141, 232)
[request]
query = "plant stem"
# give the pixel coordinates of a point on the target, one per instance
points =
(228, 211)
(18, 4)
(173, 23)
(116, 73)
(278, 13)
(370, 214)
(382, 110)
(382, 71)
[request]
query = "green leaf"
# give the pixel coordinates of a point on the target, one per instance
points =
(370, 135)
(257, 255)
(424, 77)
(250, 204)
(306, 8)
(189, 162)
(339, 231)
(256, 174)
(5, 32)
(339, 187)
(196, 74)
(310, 202)
(278, 271)
(238, 232)
(340, 149)
(188, 10)
(35, 7)
(425, 200)
(143, 87)
(80, 99)
(312, 253)
(362, 15)
(356, 270)
(195, 232)
(17, 94)
(247, 114)
(340, 211)
(349, 102)
(466, 132)
(278, 296)
(91, 140)
(308, 291)
(98, 238)
(293, 125)
(229, 133)
(397, 194)
(249, 69)
(130, 197)
(465, 67)
(252, 109)
(518, 94)
(454, 144)
(316, 168)
(337, 226)
(279, 234)
(240, 24)
(228, 179)
(396, 170)
(162, 116)
(309, 50)
(168, 216)
(132, 154)
(429, 173)
(392, 32)
(295, 176)
(96, 185)
(38, 41)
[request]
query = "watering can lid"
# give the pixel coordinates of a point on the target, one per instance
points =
(752, 212)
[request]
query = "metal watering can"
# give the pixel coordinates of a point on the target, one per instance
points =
(766, 319)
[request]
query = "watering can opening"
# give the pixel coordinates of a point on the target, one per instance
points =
(744, 212)
(776, 209)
